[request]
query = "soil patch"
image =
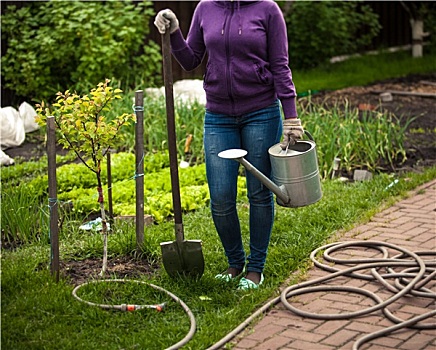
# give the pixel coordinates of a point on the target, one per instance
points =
(78, 272)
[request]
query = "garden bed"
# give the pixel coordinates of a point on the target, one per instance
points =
(420, 137)
(420, 146)
(420, 141)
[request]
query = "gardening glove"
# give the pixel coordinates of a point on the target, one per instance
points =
(166, 19)
(292, 130)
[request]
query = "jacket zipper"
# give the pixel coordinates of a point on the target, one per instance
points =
(228, 75)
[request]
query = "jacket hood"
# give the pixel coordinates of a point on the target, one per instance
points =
(230, 3)
(233, 4)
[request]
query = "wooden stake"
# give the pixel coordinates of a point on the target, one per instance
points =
(109, 188)
(139, 152)
(52, 194)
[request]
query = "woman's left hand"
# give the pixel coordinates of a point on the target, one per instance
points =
(292, 131)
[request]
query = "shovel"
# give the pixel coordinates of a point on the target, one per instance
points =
(180, 257)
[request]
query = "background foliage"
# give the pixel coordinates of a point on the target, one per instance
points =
(57, 45)
(52, 46)
(318, 31)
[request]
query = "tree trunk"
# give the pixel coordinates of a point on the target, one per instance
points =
(417, 37)
(415, 9)
(103, 223)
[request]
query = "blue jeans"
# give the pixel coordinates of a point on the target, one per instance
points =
(255, 132)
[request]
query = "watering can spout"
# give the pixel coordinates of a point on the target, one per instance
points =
(238, 155)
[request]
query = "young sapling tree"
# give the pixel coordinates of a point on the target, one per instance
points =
(86, 129)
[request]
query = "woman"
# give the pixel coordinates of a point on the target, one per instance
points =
(247, 77)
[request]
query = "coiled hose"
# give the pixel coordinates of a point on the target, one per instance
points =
(411, 280)
(158, 307)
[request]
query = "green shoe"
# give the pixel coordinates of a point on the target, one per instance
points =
(246, 284)
(227, 277)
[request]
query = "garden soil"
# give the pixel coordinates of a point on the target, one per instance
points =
(420, 145)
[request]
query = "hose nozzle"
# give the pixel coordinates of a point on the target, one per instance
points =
(132, 307)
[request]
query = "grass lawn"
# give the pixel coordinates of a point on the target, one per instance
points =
(38, 313)
(363, 70)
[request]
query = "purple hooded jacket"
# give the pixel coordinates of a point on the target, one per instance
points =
(247, 49)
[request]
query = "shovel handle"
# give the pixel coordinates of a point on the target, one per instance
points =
(171, 126)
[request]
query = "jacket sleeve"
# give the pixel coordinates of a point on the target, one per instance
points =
(279, 62)
(190, 52)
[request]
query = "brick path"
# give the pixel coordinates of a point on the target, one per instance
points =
(411, 224)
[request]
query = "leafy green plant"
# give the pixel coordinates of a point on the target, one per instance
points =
(55, 45)
(85, 130)
(157, 192)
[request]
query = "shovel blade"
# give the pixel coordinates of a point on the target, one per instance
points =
(183, 258)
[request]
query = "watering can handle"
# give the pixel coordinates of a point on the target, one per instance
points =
(309, 135)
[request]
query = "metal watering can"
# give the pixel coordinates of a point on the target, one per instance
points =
(295, 174)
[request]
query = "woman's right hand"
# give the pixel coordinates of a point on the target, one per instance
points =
(166, 19)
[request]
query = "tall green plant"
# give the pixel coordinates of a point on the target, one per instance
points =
(54, 45)
(189, 120)
(372, 140)
(21, 213)
(85, 130)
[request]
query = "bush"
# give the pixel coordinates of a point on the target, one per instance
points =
(428, 12)
(319, 30)
(55, 45)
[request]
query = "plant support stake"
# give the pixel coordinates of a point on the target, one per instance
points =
(52, 200)
(139, 176)
(109, 187)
